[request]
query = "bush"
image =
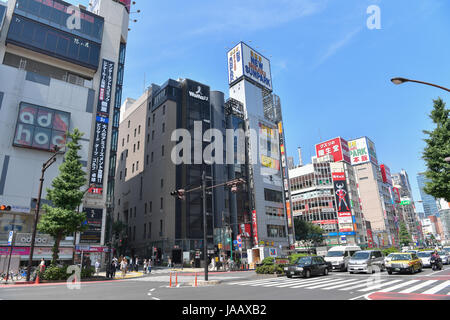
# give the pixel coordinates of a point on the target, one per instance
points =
(55, 273)
(269, 269)
(390, 250)
(268, 261)
(294, 257)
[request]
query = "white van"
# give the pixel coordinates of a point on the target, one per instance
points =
(340, 255)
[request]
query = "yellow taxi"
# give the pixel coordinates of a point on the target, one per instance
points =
(404, 262)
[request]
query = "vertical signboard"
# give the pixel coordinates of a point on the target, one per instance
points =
(343, 206)
(255, 228)
(101, 124)
(336, 147)
(94, 221)
(105, 90)
(386, 174)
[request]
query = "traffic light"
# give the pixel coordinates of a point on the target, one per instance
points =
(5, 207)
(179, 194)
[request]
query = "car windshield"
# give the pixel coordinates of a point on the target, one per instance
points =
(304, 260)
(447, 249)
(424, 254)
(390, 255)
(335, 253)
(442, 253)
(399, 257)
(361, 255)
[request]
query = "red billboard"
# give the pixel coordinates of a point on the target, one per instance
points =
(255, 228)
(337, 147)
(386, 174)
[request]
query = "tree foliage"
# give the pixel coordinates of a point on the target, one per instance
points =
(404, 236)
(307, 231)
(63, 219)
(435, 152)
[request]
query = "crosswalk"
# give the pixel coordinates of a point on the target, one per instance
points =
(365, 285)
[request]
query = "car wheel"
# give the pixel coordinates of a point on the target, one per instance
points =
(389, 272)
(307, 274)
(325, 272)
(411, 271)
(351, 272)
(289, 276)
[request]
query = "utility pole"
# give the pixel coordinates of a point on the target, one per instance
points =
(180, 194)
(45, 166)
(205, 249)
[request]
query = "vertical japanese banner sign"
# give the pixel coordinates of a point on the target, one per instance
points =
(101, 124)
(255, 228)
(341, 194)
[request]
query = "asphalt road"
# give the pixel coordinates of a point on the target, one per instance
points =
(234, 286)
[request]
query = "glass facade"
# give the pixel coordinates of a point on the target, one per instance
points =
(430, 207)
(60, 15)
(38, 37)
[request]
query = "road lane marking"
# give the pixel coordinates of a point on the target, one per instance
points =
(304, 283)
(404, 284)
(330, 283)
(357, 286)
(417, 287)
(351, 282)
(437, 288)
(309, 284)
(379, 285)
(293, 281)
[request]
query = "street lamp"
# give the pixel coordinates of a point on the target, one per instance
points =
(45, 166)
(399, 80)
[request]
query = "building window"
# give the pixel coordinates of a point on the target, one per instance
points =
(137, 165)
(150, 209)
(163, 127)
(164, 109)
(162, 151)
(135, 212)
(120, 175)
(135, 132)
(125, 175)
(153, 135)
(151, 158)
(145, 231)
(272, 195)
(132, 171)
(128, 123)
(148, 122)
(162, 203)
(149, 230)
(123, 142)
(139, 143)
(147, 159)
(134, 147)
(153, 118)
(134, 233)
(128, 138)
(139, 129)
(162, 183)
(161, 227)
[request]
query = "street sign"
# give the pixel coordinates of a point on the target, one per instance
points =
(405, 202)
(10, 238)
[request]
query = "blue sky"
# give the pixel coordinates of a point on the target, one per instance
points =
(331, 72)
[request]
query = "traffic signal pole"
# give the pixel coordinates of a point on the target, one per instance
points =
(205, 249)
(180, 194)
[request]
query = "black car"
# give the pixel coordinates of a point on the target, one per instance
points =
(308, 266)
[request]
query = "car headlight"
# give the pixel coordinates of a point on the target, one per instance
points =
(405, 265)
(286, 269)
(299, 269)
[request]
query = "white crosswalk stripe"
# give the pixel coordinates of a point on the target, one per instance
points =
(340, 282)
(401, 285)
(436, 289)
(346, 284)
(350, 282)
(378, 286)
(419, 286)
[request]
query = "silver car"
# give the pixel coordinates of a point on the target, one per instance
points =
(368, 261)
(425, 256)
(445, 256)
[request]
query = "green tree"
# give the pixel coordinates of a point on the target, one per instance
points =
(63, 219)
(307, 231)
(435, 152)
(404, 236)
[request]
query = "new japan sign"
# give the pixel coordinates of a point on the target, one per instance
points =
(337, 147)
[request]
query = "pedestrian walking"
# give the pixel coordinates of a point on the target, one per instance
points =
(144, 266)
(97, 267)
(150, 265)
(136, 264)
(123, 267)
(112, 271)
(169, 262)
(42, 265)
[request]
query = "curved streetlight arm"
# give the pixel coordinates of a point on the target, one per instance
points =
(403, 80)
